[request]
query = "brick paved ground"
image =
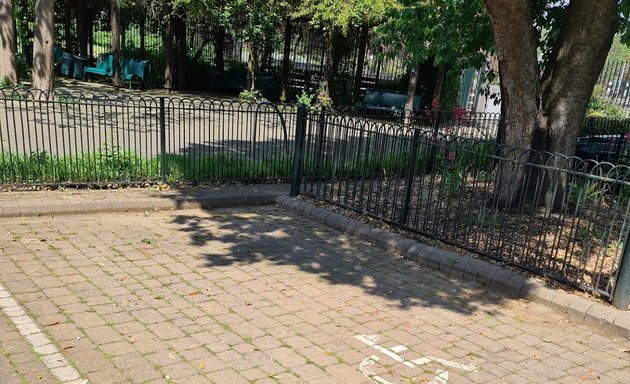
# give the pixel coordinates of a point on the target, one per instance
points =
(262, 295)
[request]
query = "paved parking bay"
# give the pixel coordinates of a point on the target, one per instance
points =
(261, 295)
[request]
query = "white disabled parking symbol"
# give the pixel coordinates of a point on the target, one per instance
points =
(367, 365)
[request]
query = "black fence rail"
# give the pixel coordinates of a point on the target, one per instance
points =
(563, 217)
(558, 216)
(602, 139)
(480, 125)
(64, 138)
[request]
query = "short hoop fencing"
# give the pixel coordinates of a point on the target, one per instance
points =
(64, 138)
(561, 217)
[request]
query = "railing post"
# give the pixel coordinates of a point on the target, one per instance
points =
(298, 153)
(162, 140)
(411, 173)
(434, 141)
(621, 294)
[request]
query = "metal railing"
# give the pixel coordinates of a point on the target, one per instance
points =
(561, 217)
(65, 138)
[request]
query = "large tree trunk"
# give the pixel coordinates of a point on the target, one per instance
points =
(219, 50)
(179, 29)
(411, 93)
(168, 55)
(546, 113)
(577, 60)
(358, 74)
(251, 67)
(440, 74)
(83, 26)
(115, 24)
(67, 29)
(8, 71)
(286, 59)
(143, 31)
(43, 42)
(328, 71)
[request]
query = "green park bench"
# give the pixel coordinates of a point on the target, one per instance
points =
(104, 66)
(129, 68)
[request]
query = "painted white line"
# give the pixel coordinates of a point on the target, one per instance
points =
(52, 358)
(422, 361)
(366, 366)
(398, 349)
(452, 364)
(441, 378)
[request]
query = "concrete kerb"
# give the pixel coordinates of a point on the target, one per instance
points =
(148, 203)
(508, 282)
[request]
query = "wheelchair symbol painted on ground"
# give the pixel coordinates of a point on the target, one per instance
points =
(368, 364)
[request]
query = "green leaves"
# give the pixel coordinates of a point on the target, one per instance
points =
(451, 31)
(327, 15)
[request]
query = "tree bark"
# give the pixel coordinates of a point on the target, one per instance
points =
(143, 31)
(440, 74)
(43, 42)
(358, 75)
(545, 113)
(168, 55)
(83, 27)
(411, 93)
(115, 24)
(251, 67)
(219, 50)
(8, 72)
(179, 30)
(328, 72)
(286, 59)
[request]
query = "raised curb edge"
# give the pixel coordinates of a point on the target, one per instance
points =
(513, 284)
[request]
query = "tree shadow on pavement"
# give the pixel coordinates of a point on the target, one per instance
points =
(270, 235)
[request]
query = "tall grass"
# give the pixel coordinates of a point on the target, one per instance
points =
(118, 166)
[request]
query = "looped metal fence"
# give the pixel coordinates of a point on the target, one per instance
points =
(559, 216)
(64, 137)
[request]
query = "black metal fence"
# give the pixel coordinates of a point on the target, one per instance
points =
(441, 176)
(558, 216)
(67, 138)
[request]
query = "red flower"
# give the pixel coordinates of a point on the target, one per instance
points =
(435, 104)
(459, 112)
(451, 156)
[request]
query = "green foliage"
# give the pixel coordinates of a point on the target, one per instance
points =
(115, 165)
(329, 15)
(305, 98)
(250, 96)
(450, 89)
(586, 191)
(452, 32)
(600, 106)
(5, 82)
(22, 68)
(619, 51)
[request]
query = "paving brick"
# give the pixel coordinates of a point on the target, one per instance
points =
(280, 296)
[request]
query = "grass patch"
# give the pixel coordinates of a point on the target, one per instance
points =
(119, 166)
